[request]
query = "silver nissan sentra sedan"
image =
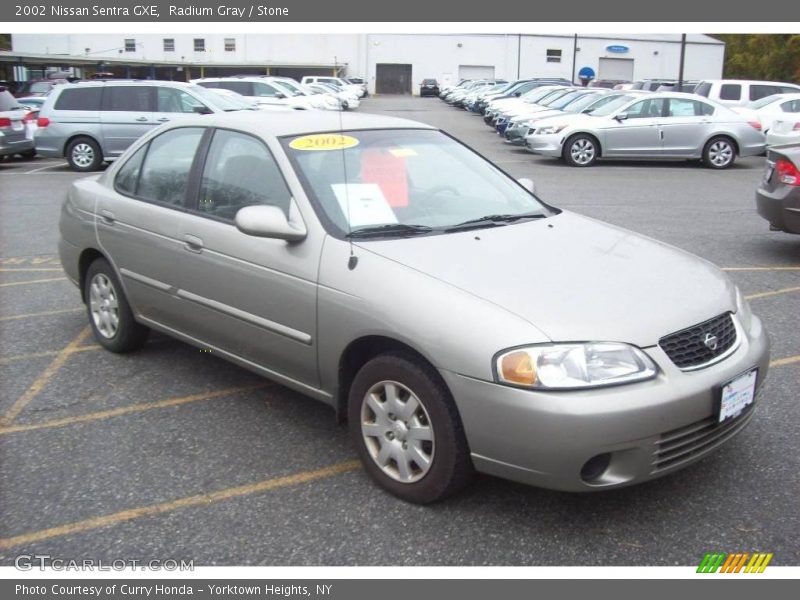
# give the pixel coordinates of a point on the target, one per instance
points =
(456, 321)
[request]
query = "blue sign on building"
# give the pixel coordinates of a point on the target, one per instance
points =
(617, 49)
(586, 73)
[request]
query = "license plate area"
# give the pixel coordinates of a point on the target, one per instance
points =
(736, 395)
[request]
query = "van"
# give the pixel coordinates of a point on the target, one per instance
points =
(739, 92)
(91, 122)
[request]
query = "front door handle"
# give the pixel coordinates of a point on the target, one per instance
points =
(192, 243)
(107, 216)
(163, 119)
(141, 119)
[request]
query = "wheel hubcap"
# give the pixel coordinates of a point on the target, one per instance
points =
(397, 431)
(83, 155)
(582, 151)
(104, 306)
(720, 153)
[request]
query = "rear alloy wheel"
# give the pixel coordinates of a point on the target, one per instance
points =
(109, 313)
(719, 153)
(581, 150)
(407, 430)
(83, 155)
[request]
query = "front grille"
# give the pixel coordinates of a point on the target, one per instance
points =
(687, 348)
(681, 445)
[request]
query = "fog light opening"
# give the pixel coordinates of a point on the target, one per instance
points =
(594, 468)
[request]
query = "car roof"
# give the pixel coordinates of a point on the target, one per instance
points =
(298, 122)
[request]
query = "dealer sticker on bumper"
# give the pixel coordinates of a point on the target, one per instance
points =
(737, 395)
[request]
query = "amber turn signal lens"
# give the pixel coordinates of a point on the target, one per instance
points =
(516, 367)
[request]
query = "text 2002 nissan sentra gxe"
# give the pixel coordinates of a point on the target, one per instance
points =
(454, 319)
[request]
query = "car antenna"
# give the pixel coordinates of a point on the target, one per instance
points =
(353, 260)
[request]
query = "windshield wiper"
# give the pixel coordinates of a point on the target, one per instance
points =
(494, 220)
(389, 229)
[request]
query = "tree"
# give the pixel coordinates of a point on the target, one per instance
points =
(773, 57)
(5, 41)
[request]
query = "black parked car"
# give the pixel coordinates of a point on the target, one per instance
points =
(429, 87)
(778, 195)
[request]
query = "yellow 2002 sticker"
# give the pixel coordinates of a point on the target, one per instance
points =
(323, 141)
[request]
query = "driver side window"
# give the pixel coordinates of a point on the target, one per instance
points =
(646, 109)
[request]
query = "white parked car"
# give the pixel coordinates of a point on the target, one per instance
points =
(347, 98)
(740, 92)
(784, 131)
(771, 108)
(338, 82)
(240, 100)
(260, 90)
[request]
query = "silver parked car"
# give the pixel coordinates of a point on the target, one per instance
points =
(662, 125)
(455, 320)
(90, 122)
(13, 138)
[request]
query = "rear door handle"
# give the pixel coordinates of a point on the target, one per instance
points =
(142, 119)
(107, 216)
(192, 243)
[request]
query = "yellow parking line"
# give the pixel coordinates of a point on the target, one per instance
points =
(773, 293)
(28, 270)
(785, 361)
(9, 284)
(185, 502)
(17, 357)
(761, 268)
(46, 313)
(133, 408)
(46, 375)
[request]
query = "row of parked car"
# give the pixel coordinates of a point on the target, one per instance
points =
(90, 122)
(585, 124)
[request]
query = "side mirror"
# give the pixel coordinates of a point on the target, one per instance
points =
(527, 183)
(280, 95)
(263, 220)
(201, 110)
(621, 116)
(518, 94)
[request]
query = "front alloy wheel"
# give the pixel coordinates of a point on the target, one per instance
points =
(581, 151)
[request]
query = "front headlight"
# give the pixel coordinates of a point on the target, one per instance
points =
(555, 128)
(574, 365)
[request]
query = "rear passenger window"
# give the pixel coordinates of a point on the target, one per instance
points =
(792, 106)
(758, 91)
(79, 99)
(262, 89)
(173, 100)
(239, 172)
(128, 176)
(245, 88)
(730, 91)
(703, 89)
(129, 98)
(165, 171)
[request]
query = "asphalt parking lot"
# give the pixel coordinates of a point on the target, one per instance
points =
(171, 453)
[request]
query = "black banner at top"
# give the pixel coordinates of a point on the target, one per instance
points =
(468, 11)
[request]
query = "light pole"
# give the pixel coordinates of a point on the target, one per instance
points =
(683, 57)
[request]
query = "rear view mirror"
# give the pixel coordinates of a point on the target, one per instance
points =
(527, 184)
(263, 220)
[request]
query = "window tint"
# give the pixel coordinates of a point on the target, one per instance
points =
(245, 88)
(680, 107)
(263, 89)
(165, 172)
(79, 99)
(239, 172)
(758, 91)
(175, 101)
(703, 89)
(730, 91)
(646, 109)
(128, 175)
(788, 90)
(127, 98)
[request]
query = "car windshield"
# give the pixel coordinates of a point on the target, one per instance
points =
(576, 105)
(285, 86)
(537, 95)
(405, 181)
(567, 99)
(224, 103)
(610, 106)
(762, 102)
(549, 100)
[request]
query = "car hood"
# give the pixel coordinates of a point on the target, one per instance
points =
(573, 278)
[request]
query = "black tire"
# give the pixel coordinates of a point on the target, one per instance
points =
(450, 467)
(128, 335)
(719, 152)
(83, 155)
(581, 150)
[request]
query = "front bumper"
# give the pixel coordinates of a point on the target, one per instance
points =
(781, 207)
(549, 144)
(546, 438)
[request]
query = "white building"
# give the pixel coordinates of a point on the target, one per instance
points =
(391, 63)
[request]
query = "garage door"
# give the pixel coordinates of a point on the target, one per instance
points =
(392, 79)
(475, 72)
(616, 68)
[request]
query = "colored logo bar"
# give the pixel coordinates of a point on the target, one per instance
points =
(735, 562)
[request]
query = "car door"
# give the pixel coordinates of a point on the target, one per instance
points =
(173, 102)
(251, 297)
(137, 221)
(637, 134)
(685, 127)
(126, 115)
